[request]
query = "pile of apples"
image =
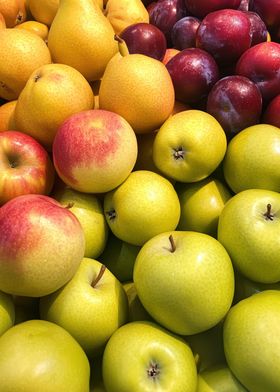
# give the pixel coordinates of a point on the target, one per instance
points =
(139, 196)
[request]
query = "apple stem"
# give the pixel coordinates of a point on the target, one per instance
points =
(268, 215)
(70, 204)
(99, 276)
(172, 242)
(123, 49)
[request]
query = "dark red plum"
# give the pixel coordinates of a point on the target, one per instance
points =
(144, 38)
(225, 34)
(201, 8)
(258, 28)
(236, 102)
(183, 33)
(261, 64)
(193, 72)
(272, 112)
(269, 11)
(165, 13)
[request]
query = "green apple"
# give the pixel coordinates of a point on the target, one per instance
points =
(248, 228)
(136, 311)
(37, 355)
(189, 146)
(201, 204)
(185, 280)
(91, 306)
(144, 205)
(141, 356)
(119, 257)
(252, 159)
(89, 211)
(218, 378)
(7, 312)
(252, 341)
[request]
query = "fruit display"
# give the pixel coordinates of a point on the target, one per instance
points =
(139, 195)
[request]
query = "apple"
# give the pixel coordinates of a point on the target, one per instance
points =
(189, 146)
(252, 159)
(183, 33)
(142, 356)
(45, 358)
(25, 166)
(91, 306)
(169, 53)
(225, 34)
(219, 378)
(261, 64)
(145, 38)
(251, 341)
(175, 274)
(258, 28)
(136, 311)
(201, 8)
(193, 72)
(271, 113)
(7, 312)
(41, 245)
(144, 205)
(201, 204)
(247, 224)
(236, 102)
(119, 257)
(88, 210)
(88, 151)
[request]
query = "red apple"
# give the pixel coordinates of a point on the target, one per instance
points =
(236, 102)
(183, 33)
(225, 34)
(193, 72)
(271, 114)
(145, 38)
(41, 245)
(261, 64)
(25, 166)
(201, 8)
(94, 151)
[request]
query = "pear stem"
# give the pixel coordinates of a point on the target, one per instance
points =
(69, 205)
(99, 276)
(123, 49)
(172, 242)
(268, 215)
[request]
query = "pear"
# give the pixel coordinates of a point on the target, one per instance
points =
(13, 11)
(82, 37)
(44, 10)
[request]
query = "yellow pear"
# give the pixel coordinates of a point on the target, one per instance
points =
(52, 93)
(139, 88)
(13, 11)
(38, 28)
(81, 36)
(43, 10)
(7, 116)
(123, 13)
(23, 52)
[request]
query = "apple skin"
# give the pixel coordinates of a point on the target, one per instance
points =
(174, 283)
(261, 64)
(7, 312)
(88, 151)
(183, 33)
(225, 34)
(201, 8)
(44, 358)
(41, 245)
(140, 348)
(251, 341)
(25, 166)
(136, 311)
(241, 168)
(236, 102)
(193, 72)
(90, 312)
(271, 113)
(246, 227)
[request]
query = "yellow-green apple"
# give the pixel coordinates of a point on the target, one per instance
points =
(44, 358)
(201, 204)
(218, 378)
(119, 257)
(136, 311)
(91, 306)
(89, 211)
(7, 312)
(25, 166)
(252, 159)
(144, 205)
(41, 245)
(252, 341)
(175, 274)
(141, 356)
(94, 151)
(189, 146)
(248, 228)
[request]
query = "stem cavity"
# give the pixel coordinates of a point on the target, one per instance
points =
(153, 370)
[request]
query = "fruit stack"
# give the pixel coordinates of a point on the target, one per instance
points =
(139, 195)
